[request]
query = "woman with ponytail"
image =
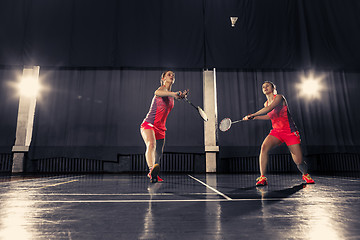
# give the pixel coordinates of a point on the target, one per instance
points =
(284, 130)
(153, 127)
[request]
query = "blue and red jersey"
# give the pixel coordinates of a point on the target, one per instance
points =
(281, 119)
(159, 111)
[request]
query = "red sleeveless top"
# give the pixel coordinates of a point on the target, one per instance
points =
(159, 111)
(281, 118)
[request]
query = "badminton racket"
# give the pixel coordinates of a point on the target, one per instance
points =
(226, 123)
(199, 109)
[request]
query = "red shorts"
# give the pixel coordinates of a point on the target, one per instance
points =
(284, 136)
(159, 134)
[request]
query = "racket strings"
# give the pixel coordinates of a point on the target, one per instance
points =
(225, 124)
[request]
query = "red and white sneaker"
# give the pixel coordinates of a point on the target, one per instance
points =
(160, 179)
(153, 173)
(308, 179)
(261, 181)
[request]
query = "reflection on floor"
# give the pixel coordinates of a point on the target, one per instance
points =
(185, 206)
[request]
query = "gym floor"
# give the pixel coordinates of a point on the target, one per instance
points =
(184, 206)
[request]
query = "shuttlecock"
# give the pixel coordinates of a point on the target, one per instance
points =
(233, 21)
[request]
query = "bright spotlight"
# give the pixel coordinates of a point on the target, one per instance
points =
(310, 87)
(29, 86)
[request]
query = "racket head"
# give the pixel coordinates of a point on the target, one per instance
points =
(225, 124)
(202, 114)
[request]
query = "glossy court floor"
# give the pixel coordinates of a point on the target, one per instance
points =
(185, 206)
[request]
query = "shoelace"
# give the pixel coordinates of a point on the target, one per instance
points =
(307, 176)
(260, 178)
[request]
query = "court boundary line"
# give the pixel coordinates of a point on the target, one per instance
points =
(60, 183)
(146, 200)
(116, 194)
(211, 188)
(340, 178)
(173, 200)
(43, 179)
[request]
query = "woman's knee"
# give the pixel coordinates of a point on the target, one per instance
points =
(149, 138)
(151, 145)
(265, 148)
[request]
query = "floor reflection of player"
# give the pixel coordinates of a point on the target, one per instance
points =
(149, 221)
(284, 130)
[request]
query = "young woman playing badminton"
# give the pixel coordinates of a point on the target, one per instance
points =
(153, 127)
(284, 130)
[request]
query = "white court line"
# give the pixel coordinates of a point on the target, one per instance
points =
(325, 200)
(56, 184)
(213, 189)
(41, 179)
(338, 178)
(117, 194)
(44, 181)
(140, 201)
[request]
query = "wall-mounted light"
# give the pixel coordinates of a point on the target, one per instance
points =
(29, 85)
(310, 87)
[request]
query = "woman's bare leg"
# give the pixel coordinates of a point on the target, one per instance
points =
(150, 141)
(296, 154)
(269, 143)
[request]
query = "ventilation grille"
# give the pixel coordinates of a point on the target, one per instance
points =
(69, 165)
(243, 164)
(276, 163)
(170, 162)
(5, 162)
(339, 162)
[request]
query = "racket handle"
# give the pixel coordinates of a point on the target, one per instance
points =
(187, 100)
(249, 118)
(237, 121)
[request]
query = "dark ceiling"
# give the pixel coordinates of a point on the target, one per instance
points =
(193, 34)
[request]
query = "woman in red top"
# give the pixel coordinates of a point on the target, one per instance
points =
(153, 127)
(284, 130)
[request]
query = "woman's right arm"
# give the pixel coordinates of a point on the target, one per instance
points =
(162, 92)
(261, 117)
(267, 108)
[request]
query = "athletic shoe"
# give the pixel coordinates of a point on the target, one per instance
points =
(261, 181)
(153, 174)
(308, 179)
(160, 179)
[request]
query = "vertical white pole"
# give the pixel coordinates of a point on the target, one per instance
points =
(25, 121)
(210, 107)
